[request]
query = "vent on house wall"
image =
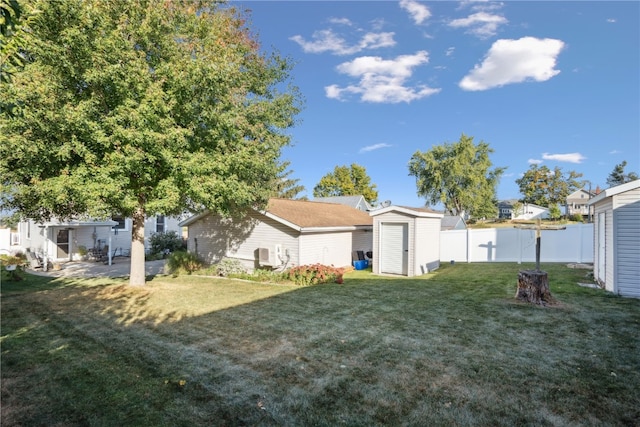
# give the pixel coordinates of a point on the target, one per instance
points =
(263, 256)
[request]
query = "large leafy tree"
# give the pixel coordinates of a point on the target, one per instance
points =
(347, 181)
(618, 176)
(459, 175)
(544, 187)
(140, 108)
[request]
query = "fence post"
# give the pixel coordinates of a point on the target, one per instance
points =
(468, 245)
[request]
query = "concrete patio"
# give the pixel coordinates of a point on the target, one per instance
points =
(120, 267)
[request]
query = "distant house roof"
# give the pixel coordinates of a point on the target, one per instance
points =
(303, 215)
(356, 202)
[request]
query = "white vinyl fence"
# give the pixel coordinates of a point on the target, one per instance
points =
(573, 244)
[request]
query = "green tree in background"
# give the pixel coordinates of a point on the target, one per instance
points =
(285, 187)
(555, 212)
(347, 181)
(141, 108)
(458, 175)
(543, 187)
(618, 176)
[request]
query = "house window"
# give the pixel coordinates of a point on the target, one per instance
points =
(28, 229)
(122, 223)
(160, 224)
(15, 239)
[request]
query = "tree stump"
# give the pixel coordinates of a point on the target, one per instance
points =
(533, 287)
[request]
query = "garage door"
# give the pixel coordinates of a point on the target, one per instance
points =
(394, 251)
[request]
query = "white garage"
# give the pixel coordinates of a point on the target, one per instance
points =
(406, 241)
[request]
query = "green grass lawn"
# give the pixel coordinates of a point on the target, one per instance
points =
(449, 348)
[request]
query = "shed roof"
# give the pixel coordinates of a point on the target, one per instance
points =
(615, 190)
(416, 212)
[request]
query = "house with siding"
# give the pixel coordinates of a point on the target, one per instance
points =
(286, 234)
(59, 241)
(616, 263)
(406, 241)
(578, 203)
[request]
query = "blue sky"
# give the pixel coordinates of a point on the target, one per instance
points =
(549, 82)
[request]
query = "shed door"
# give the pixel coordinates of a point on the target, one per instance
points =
(394, 251)
(601, 247)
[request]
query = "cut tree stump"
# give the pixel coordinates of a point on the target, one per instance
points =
(533, 287)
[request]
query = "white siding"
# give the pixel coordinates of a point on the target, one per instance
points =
(606, 207)
(218, 238)
(427, 244)
(362, 241)
(326, 248)
(627, 248)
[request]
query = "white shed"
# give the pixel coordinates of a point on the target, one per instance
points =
(406, 241)
(617, 239)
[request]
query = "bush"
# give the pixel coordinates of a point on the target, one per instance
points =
(18, 260)
(162, 243)
(577, 218)
(228, 266)
(315, 274)
(183, 262)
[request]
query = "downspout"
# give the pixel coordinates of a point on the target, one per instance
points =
(110, 248)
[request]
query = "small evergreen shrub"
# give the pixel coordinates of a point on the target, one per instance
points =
(228, 266)
(163, 243)
(315, 274)
(183, 262)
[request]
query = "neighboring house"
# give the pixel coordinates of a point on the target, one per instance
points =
(356, 202)
(529, 211)
(288, 233)
(406, 241)
(451, 222)
(616, 228)
(59, 241)
(578, 203)
(505, 209)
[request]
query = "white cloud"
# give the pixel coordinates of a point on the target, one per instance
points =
(481, 24)
(382, 81)
(615, 152)
(568, 157)
(611, 20)
(374, 147)
(340, 21)
(450, 51)
(328, 41)
(515, 61)
(534, 161)
(418, 11)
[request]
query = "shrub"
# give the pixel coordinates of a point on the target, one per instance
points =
(17, 260)
(183, 262)
(315, 274)
(228, 266)
(577, 218)
(161, 243)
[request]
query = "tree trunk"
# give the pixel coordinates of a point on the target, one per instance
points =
(533, 287)
(137, 272)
